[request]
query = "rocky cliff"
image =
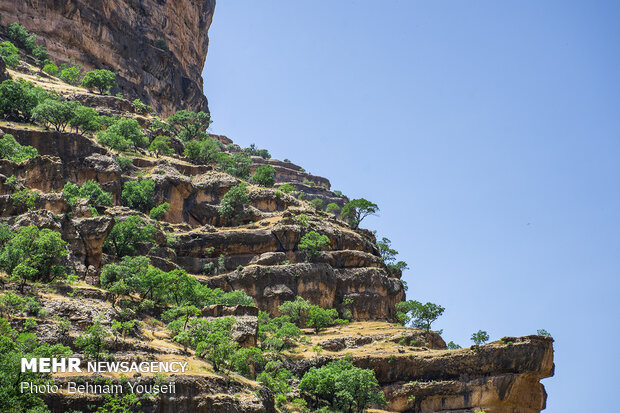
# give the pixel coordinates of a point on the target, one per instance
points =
(257, 253)
(157, 48)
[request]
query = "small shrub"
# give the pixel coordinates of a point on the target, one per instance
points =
(543, 332)
(90, 191)
(312, 243)
(10, 54)
(25, 198)
(158, 212)
(332, 208)
(139, 106)
(286, 188)
(317, 203)
(124, 162)
(10, 149)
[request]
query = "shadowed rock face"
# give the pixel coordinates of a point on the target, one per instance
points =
(157, 48)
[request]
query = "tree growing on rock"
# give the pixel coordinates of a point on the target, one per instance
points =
(10, 149)
(125, 235)
(356, 210)
(10, 54)
(344, 387)
(312, 243)
(234, 202)
(238, 165)
(139, 195)
(203, 152)
(101, 79)
(55, 113)
(123, 134)
(157, 213)
(388, 255)
(190, 125)
(480, 337)
(417, 314)
(161, 146)
(297, 310)
(93, 342)
(264, 175)
(321, 318)
(85, 120)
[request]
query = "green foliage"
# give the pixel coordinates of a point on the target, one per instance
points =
(480, 337)
(452, 346)
(417, 314)
(92, 342)
(25, 198)
(161, 44)
(13, 347)
(21, 37)
(161, 146)
(10, 149)
(356, 210)
(309, 183)
(543, 332)
(124, 162)
(90, 190)
(86, 120)
(344, 387)
(234, 202)
(190, 125)
(276, 378)
(389, 257)
(203, 152)
(317, 203)
(297, 310)
(41, 55)
(17, 99)
(33, 254)
(278, 333)
(332, 208)
(114, 403)
(141, 107)
(101, 79)
(286, 188)
(126, 234)
(55, 113)
(70, 74)
(312, 243)
(252, 150)
(139, 195)
(123, 134)
(247, 361)
(158, 212)
(212, 341)
(264, 175)
(51, 69)
(237, 165)
(321, 318)
(10, 54)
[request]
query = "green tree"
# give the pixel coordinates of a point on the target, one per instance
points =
(297, 310)
(123, 134)
(100, 79)
(213, 341)
(126, 234)
(10, 54)
(321, 318)
(157, 213)
(25, 199)
(139, 195)
(388, 255)
(90, 191)
(344, 387)
(332, 208)
(253, 150)
(191, 125)
(286, 188)
(317, 203)
(21, 37)
(55, 113)
(34, 254)
(70, 74)
(276, 378)
(139, 106)
(51, 69)
(13, 347)
(10, 149)
(203, 152)
(480, 337)
(41, 55)
(312, 243)
(93, 342)
(247, 361)
(277, 334)
(85, 119)
(17, 100)
(234, 202)
(417, 314)
(119, 404)
(452, 346)
(237, 165)
(161, 146)
(356, 210)
(264, 175)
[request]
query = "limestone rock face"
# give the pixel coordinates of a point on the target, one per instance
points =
(157, 48)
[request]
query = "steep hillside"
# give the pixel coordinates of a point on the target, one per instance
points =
(130, 237)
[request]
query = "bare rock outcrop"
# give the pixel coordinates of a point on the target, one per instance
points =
(157, 49)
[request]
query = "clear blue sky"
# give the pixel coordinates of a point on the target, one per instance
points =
(489, 134)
